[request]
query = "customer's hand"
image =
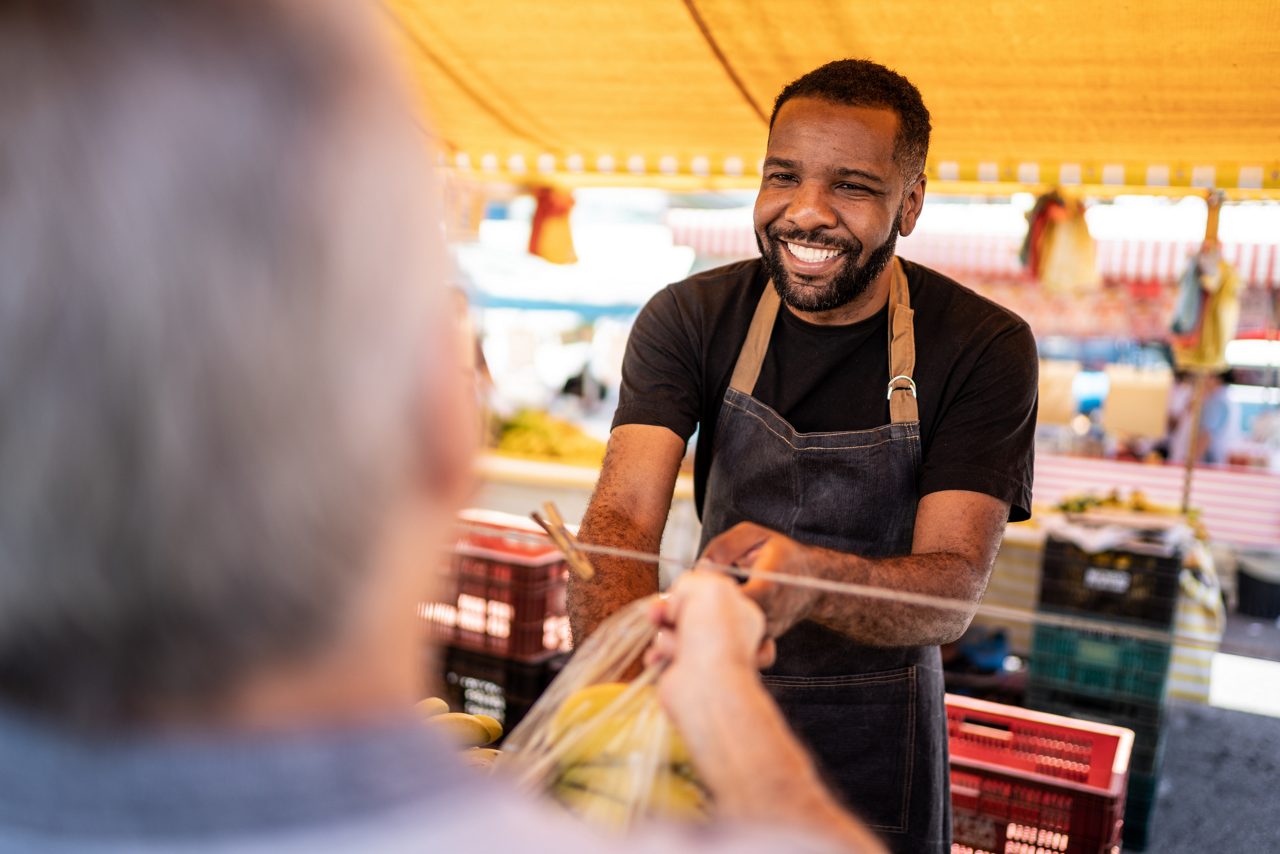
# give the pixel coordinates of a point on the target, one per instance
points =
(709, 623)
(763, 551)
(713, 641)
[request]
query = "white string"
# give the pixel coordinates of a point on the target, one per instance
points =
(1000, 612)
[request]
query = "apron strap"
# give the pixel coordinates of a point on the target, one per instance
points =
(902, 346)
(903, 407)
(751, 356)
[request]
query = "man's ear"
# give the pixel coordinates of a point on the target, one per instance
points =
(912, 204)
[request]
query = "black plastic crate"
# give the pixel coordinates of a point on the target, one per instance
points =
(499, 687)
(1137, 584)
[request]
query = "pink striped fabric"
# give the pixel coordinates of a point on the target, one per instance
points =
(725, 234)
(1239, 506)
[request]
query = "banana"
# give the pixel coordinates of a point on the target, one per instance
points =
(431, 707)
(480, 757)
(669, 794)
(592, 807)
(492, 725)
(633, 727)
(461, 729)
(585, 704)
(598, 778)
(611, 781)
(676, 796)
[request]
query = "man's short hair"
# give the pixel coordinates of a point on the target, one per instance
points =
(214, 223)
(862, 83)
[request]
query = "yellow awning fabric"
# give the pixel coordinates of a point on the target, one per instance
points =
(1163, 95)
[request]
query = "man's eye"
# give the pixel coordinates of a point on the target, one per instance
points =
(782, 177)
(854, 188)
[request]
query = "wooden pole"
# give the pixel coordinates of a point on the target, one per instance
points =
(1194, 412)
(1213, 199)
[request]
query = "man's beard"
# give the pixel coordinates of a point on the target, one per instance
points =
(851, 280)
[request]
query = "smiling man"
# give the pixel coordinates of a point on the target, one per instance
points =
(861, 419)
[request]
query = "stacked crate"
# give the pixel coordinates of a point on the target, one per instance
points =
(498, 617)
(1112, 664)
(1024, 781)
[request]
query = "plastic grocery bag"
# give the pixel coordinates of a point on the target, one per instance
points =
(602, 748)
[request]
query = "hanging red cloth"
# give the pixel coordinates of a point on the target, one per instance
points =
(550, 236)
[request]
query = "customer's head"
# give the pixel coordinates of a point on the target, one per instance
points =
(221, 355)
(843, 177)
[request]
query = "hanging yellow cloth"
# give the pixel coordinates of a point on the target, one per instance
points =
(1219, 320)
(1068, 258)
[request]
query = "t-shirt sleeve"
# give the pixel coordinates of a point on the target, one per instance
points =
(985, 439)
(661, 374)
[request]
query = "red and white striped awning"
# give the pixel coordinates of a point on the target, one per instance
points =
(993, 258)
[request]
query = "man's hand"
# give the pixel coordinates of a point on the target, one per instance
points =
(762, 551)
(956, 537)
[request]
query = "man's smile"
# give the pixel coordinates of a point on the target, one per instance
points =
(810, 260)
(812, 254)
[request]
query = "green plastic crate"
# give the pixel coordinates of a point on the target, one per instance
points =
(1140, 805)
(1100, 664)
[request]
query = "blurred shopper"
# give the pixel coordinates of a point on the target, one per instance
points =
(860, 418)
(233, 440)
(1214, 436)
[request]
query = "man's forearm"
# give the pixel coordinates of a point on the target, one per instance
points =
(879, 621)
(628, 510)
(617, 581)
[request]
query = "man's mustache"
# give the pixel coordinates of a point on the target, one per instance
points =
(813, 238)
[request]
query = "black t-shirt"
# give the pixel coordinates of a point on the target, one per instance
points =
(976, 373)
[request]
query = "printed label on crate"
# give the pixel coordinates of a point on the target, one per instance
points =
(978, 831)
(1107, 580)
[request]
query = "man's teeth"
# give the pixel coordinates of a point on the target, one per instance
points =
(808, 253)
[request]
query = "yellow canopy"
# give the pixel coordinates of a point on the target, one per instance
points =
(1162, 95)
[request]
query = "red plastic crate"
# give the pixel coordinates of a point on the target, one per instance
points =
(1025, 782)
(501, 595)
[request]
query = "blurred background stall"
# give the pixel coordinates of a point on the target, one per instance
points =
(1110, 172)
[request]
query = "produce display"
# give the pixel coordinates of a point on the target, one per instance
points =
(1131, 510)
(607, 740)
(470, 733)
(534, 434)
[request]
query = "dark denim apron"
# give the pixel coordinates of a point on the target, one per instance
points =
(873, 717)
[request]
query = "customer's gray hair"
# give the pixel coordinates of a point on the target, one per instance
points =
(213, 320)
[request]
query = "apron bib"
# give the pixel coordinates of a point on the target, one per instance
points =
(872, 717)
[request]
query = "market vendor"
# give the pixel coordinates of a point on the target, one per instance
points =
(830, 445)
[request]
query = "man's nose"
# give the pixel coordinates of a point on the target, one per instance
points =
(810, 209)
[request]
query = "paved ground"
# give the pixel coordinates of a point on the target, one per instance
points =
(1220, 789)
